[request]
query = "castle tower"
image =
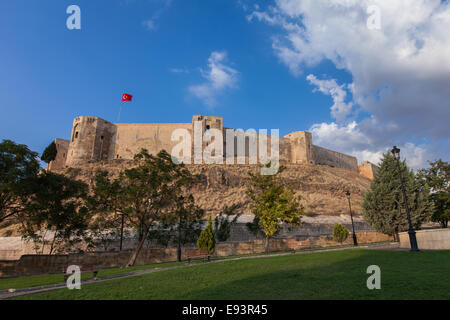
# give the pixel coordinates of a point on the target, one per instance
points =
(92, 139)
(62, 147)
(302, 149)
(207, 123)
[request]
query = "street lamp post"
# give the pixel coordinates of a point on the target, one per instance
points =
(121, 231)
(181, 199)
(412, 234)
(355, 241)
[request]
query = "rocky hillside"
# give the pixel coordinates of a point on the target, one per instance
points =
(321, 188)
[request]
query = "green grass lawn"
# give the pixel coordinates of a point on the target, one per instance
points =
(48, 279)
(325, 275)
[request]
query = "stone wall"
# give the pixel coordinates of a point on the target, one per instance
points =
(39, 264)
(131, 138)
(302, 149)
(368, 169)
(430, 239)
(12, 248)
(62, 149)
(94, 139)
(334, 159)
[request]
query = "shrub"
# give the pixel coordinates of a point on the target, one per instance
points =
(206, 240)
(340, 233)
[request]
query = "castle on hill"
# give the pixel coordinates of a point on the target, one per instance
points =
(94, 139)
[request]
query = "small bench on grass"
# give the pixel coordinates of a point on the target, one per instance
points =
(86, 268)
(197, 254)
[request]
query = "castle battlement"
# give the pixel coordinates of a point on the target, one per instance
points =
(93, 139)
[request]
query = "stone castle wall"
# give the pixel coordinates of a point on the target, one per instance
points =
(62, 149)
(131, 138)
(334, 159)
(368, 169)
(94, 139)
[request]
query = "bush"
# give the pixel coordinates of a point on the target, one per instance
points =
(206, 240)
(340, 233)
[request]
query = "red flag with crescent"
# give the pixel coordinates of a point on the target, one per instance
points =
(127, 97)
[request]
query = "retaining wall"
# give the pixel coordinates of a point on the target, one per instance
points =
(431, 239)
(40, 264)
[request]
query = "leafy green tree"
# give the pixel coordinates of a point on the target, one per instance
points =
(223, 224)
(207, 241)
(181, 226)
(383, 204)
(340, 233)
(150, 192)
(18, 170)
(273, 204)
(55, 214)
(437, 177)
(106, 202)
(49, 153)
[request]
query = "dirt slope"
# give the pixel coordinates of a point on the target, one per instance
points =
(322, 188)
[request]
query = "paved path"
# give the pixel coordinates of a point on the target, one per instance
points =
(4, 294)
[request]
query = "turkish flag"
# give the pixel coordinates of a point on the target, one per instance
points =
(127, 97)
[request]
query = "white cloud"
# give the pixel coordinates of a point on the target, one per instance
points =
(401, 73)
(219, 77)
(352, 139)
(340, 109)
(149, 24)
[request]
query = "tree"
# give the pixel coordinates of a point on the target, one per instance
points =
(18, 170)
(273, 204)
(106, 202)
(55, 213)
(383, 204)
(49, 153)
(437, 177)
(207, 241)
(340, 233)
(222, 223)
(180, 227)
(150, 192)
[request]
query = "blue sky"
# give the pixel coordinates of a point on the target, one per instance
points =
(158, 51)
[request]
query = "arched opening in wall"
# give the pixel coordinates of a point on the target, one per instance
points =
(75, 132)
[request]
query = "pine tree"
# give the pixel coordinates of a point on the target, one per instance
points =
(206, 240)
(383, 204)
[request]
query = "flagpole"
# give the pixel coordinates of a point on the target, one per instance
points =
(120, 111)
